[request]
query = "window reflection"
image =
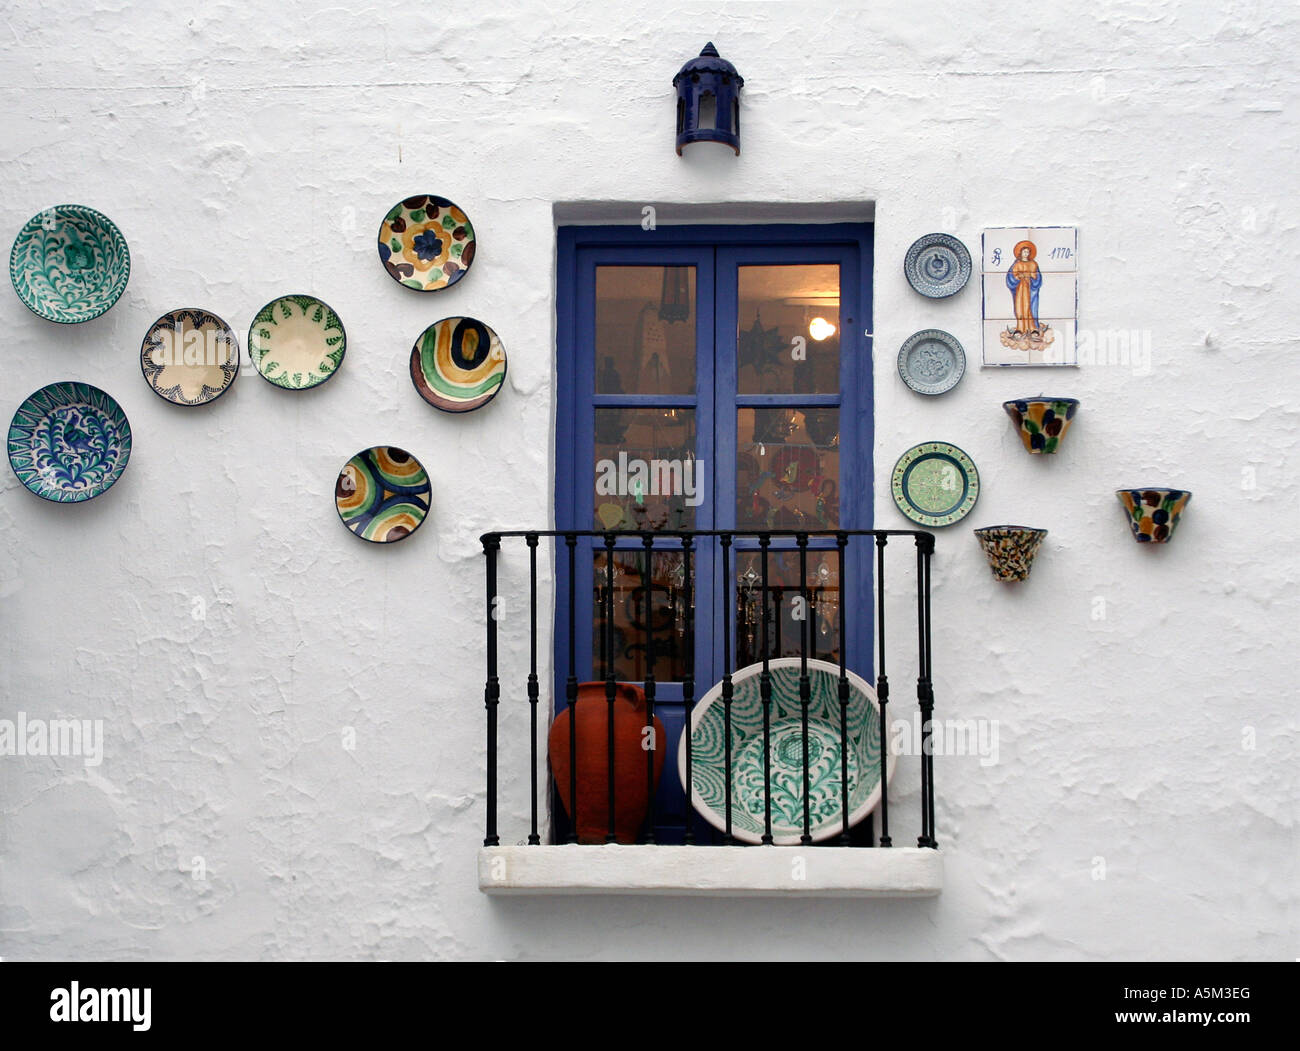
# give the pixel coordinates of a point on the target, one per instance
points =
(645, 330)
(788, 329)
(645, 472)
(667, 607)
(784, 624)
(788, 468)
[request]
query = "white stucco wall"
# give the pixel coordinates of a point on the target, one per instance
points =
(213, 612)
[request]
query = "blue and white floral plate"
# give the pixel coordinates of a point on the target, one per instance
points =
(748, 794)
(69, 442)
(69, 264)
(937, 265)
(931, 361)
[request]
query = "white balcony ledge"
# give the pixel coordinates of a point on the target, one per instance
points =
(773, 872)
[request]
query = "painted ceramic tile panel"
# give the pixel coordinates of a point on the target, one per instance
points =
(1030, 291)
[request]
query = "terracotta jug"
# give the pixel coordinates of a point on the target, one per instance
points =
(631, 801)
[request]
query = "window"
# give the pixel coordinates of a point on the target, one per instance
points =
(710, 377)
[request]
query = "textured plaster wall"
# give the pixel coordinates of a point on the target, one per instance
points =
(214, 614)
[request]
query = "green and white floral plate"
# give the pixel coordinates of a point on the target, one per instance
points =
(69, 442)
(748, 795)
(935, 484)
(69, 264)
(297, 342)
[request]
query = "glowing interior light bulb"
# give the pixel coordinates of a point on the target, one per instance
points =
(819, 328)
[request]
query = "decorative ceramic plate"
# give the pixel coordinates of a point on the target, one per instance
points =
(426, 243)
(69, 442)
(935, 484)
(69, 263)
(189, 357)
(931, 361)
(382, 494)
(458, 364)
(297, 342)
(937, 265)
(748, 791)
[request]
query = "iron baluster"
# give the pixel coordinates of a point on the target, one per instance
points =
(804, 687)
(882, 691)
(492, 689)
(765, 695)
(611, 836)
(647, 583)
(533, 837)
(923, 695)
(841, 542)
(726, 679)
(571, 687)
(927, 757)
(688, 679)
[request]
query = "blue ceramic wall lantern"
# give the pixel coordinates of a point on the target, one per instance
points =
(708, 101)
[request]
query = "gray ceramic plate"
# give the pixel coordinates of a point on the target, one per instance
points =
(931, 361)
(937, 265)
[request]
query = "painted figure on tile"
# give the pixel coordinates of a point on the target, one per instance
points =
(1024, 279)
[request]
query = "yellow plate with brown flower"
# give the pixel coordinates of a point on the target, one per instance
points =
(426, 243)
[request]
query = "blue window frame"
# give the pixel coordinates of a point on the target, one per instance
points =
(718, 255)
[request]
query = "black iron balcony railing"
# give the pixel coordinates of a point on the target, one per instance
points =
(761, 615)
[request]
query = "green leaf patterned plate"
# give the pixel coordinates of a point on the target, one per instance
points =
(426, 243)
(69, 442)
(69, 264)
(748, 797)
(935, 484)
(297, 342)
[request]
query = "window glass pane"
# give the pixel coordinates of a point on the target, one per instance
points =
(784, 625)
(788, 468)
(788, 329)
(645, 474)
(645, 330)
(667, 606)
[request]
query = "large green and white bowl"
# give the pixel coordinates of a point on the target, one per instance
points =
(69, 264)
(708, 756)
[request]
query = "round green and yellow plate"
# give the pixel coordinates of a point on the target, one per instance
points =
(458, 364)
(935, 484)
(297, 342)
(69, 442)
(426, 243)
(69, 264)
(383, 494)
(189, 357)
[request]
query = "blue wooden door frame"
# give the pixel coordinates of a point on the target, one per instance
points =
(716, 251)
